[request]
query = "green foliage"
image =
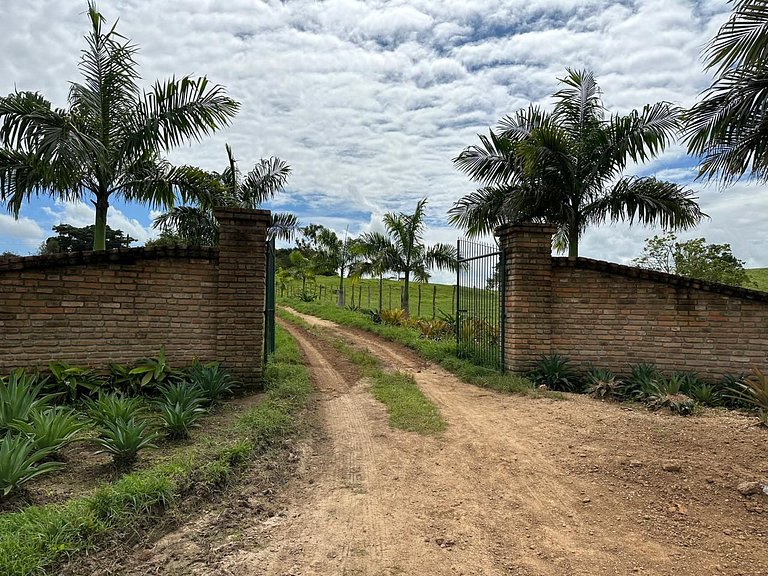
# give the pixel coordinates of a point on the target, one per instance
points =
(758, 278)
(53, 427)
(434, 329)
(111, 407)
(123, 439)
(406, 404)
(152, 372)
(21, 461)
(212, 380)
(704, 394)
(393, 317)
(555, 372)
(107, 142)
(565, 167)
(642, 381)
(603, 384)
(121, 379)
(181, 406)
(20, 397)
(73, 239)
(694, 258)
(753, 391)
(74, 381)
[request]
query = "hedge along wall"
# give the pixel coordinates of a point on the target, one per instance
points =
(92, 308)
(613, 316)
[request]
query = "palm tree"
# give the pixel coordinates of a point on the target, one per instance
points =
(729, 126)
(409, 254)
(197, 225)
(565, 168)
(341, 253)
(106, 143)
(378, 256)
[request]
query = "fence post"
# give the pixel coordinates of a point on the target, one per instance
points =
(418, 306)
(434, 301)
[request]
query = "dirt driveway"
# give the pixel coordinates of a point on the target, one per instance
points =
(514, 486)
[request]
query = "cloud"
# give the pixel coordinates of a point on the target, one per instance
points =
(22, 236)
(80, 214)
(369, 101)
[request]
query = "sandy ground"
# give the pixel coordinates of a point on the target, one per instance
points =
(514, 486)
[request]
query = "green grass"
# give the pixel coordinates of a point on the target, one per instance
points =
(34, 539)
(443, 294)
(442, 352)
(407, 406)
(759, 276)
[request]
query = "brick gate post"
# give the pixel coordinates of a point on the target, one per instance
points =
(527, 253)
(242, 292)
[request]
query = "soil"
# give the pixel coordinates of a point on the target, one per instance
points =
(515, 486)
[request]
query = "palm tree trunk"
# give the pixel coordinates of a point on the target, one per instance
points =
(404, 295)
(381, 292)
(573, 241)
(341, 288)
(100, 228)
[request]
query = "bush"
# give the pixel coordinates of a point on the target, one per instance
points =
(753, 391)
(393, 317)
(151, 373)
(53, 428)
(20, 462)
(554, 372)
(74, 381)
(603, 384)
(213, 381)
(642, 381)
(19, 397)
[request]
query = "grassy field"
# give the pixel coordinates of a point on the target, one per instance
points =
(760, 277)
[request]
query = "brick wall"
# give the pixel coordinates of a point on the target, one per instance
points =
(92, 308)
(613, 316)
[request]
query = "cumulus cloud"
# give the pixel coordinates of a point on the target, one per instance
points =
(80, 214)
(369, 101)
(22, 236)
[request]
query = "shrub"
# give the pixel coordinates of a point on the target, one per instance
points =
(19, 397)
(213, 381)
(53, 428)
(602, 384)
(433, 329)
(705, 394)
(152, 372)
(374, 315)
(121, 378)
(554, 372)
(642, 381)
(669, 393)
(726, 391)
(753, 391)
(393, 317)
(123, 439)
(74, 381)
(20, 462)
(111, 407)
(180, 408)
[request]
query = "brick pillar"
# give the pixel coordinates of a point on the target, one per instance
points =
(241, 292)
(527, 253)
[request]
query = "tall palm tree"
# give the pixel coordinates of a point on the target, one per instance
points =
(341, 253)
(197, 225)
(377, 257)
(565, 168)
(410, 256)
(728, 127)
(106, 144)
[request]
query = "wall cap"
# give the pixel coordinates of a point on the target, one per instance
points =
(535, 227)
(115, 256)
(242, 214)
(660, 277)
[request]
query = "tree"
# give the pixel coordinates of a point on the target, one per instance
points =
(694, 259)
(377, 257)
(409, 254)
(728, 127)
(337, 253)
(197, 225)
(107, 143)
(73, 239)
(565, 168)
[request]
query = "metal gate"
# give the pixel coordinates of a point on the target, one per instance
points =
(269, 302)
(479, 304)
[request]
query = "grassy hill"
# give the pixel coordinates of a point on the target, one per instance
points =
(760, 277)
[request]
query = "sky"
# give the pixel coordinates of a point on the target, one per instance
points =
(369, 101)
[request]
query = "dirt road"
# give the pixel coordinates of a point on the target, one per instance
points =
(514, 486)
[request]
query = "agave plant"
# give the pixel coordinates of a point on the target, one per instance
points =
(21, 461)
(603, 384)
(123, 439)
(554, 372)
(20, 396)
(212, 380)
(642, 381)
(753, 391)
(111, 407)
(180, 408)
(669, 393)
(393, 317)
(53, 428)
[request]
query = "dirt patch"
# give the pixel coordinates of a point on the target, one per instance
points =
(514, 486)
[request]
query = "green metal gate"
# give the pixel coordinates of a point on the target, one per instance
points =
(479, 304)
(269, 305)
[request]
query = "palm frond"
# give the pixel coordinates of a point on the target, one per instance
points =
(493, 162)
(283, 225)
(578, 105)
(193, 225)
(266, 179)
(743, 40)
(647, 201)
